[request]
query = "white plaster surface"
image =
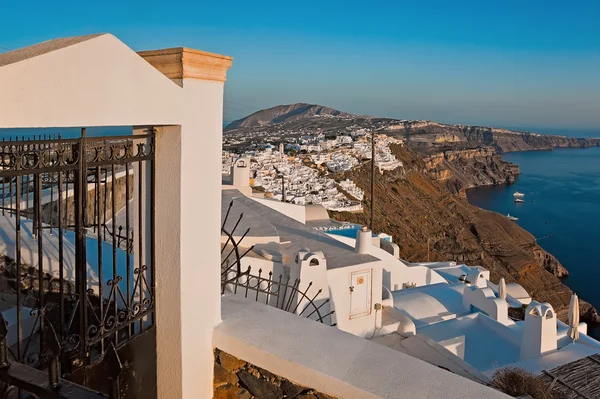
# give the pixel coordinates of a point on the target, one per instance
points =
(331, 361)
(97, 82)
(102, 82)
(297, 212)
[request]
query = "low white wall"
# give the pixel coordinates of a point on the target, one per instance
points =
(510, 332)
(328, 360)
(390, 247)
(485, 300)
(296, 212)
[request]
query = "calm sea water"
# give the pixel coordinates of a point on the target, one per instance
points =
(561, 209)
(68, 132)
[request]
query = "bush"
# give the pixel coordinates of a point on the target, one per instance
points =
(515, 382)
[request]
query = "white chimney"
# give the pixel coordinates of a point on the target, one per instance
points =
(364, 240)
(241, 172)
(539, 333)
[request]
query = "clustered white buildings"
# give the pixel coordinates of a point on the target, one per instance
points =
(445, 313)
(305, 179)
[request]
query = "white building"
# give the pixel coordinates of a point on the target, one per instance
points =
(447, 314)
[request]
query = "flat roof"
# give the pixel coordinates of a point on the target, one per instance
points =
(485, 348)
(293, 235)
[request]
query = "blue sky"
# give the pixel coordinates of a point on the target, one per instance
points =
(513, 63)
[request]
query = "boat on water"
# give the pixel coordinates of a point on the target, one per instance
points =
(518, 195)
(510, 217)
(519, 200)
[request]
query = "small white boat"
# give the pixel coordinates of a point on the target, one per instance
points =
(519, 200)
(509, 217)
(518, 195)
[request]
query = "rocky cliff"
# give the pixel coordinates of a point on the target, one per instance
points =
(467, 168)
(414, 208)
(421, 133)
(509, 141)
(285, 113)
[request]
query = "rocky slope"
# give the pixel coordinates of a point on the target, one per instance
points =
(414, 208)
(467, 168)
(285, 113)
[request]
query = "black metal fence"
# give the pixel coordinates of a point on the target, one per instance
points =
(281, 292)
(65, 269)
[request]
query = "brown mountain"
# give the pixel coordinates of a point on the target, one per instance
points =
(285, 113)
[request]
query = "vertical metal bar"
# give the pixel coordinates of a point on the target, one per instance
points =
(127, 244)
(114, 251)
(27, 189)
(3, 194)
(37, 197)
(68, 173)
(97, 196)
(61, 276)
(10, 191)
(80, 241)
(51, 204)
(152, 225)
(18, 261)
(104, 204)
(140, 234)
(258, 284)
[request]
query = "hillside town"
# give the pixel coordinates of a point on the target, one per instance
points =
(308, 169)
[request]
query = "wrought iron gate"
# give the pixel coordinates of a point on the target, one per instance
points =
(76, 253)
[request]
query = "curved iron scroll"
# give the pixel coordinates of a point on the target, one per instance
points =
(233, 260)
(280, 293)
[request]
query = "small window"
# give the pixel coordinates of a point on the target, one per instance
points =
(314, 262)
(549, 314)
(241, 164)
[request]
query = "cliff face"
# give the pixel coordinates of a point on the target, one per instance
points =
(421, 133)
(509, 141)
(467, 168)
(414, 208)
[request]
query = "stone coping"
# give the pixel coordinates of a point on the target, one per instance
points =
(329, 360)
(185, 63)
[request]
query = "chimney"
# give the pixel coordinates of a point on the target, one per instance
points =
(241, 172)
(539, 332)
(364, 240)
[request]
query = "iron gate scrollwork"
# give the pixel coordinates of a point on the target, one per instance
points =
(76, 255)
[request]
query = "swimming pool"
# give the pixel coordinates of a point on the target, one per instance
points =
(345, 231)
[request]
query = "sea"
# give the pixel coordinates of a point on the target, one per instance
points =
(561, 209)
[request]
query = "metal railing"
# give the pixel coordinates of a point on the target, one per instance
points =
(93, 292)
(282, 293)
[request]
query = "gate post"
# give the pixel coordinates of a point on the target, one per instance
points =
(188, 221)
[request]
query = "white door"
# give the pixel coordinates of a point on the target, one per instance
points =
(360, 293)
